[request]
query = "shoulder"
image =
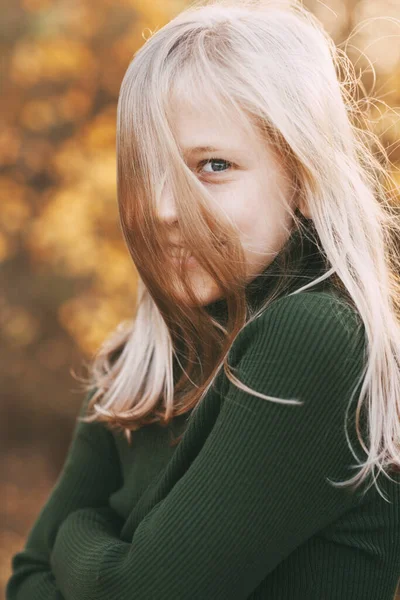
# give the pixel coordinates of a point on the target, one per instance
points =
(307, 349)
(310, 332)
(321, 305)
(316, 313)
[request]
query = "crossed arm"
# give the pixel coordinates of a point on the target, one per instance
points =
(257, 489)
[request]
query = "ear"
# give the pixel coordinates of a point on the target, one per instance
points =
(304, 209)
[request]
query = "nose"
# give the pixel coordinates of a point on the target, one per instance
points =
(166, 210)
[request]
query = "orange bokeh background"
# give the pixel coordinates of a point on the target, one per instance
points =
(66, 278)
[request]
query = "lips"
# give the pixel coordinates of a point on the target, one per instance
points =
(177, 251)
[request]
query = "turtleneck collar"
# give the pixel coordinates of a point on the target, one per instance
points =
(300, 260)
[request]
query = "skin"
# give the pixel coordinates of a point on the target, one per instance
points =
(247, 180)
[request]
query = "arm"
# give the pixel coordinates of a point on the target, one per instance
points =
(256, 490)
(89, 475)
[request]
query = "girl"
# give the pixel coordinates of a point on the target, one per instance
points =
(215, 452)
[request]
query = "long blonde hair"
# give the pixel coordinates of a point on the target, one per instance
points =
(271, 65)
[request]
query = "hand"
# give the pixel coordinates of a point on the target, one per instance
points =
(101, 517)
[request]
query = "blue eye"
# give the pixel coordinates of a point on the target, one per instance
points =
(217, 161)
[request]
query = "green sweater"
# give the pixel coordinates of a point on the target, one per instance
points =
(242, 508)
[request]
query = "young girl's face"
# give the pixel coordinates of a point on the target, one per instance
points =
(248, 182)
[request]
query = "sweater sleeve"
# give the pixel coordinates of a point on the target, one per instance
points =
(89, 475)
(259, 486)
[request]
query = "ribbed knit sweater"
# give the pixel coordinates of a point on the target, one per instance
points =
(243, 507)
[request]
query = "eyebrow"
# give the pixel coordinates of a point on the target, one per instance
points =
(201, 149)
(231, 151)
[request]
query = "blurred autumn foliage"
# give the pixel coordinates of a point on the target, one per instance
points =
(66, 275)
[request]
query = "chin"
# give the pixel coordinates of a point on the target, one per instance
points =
(204, 288)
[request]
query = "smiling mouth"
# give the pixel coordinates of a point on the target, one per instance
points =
(178, 260)
(177, 254)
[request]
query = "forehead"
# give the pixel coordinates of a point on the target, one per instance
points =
(200, 130)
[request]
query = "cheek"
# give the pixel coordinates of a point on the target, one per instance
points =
(255, 227)
(243, 211)
(245, 203)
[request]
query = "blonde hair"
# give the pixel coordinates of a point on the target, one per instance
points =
(271, 65)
